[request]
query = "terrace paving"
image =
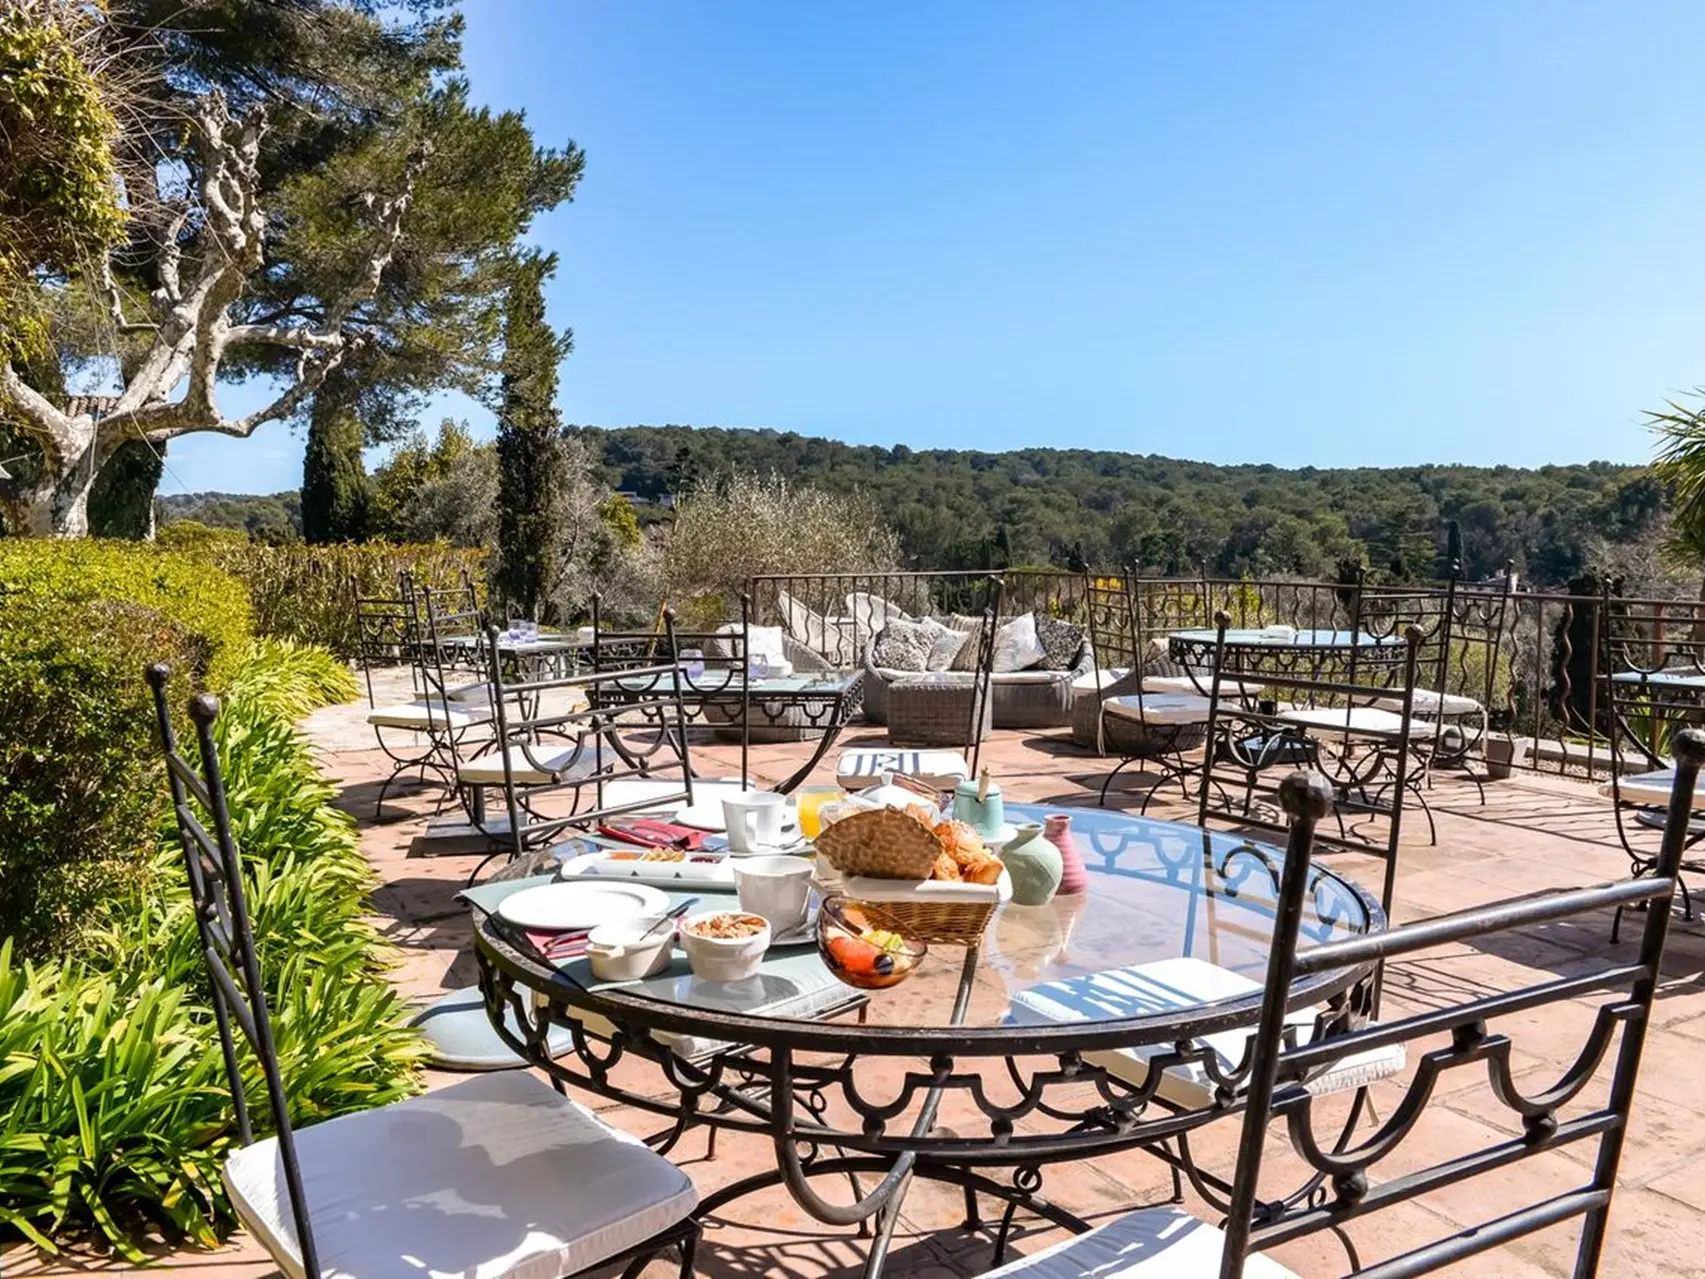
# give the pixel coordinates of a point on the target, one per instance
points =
(1532, 832)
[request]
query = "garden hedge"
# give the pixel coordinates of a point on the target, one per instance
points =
(209, 608)
(114, 1115)
(307, 593)
(78, 775)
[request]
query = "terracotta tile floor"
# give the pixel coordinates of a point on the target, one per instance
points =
(1531, 832)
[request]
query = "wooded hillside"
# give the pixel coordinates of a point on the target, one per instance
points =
(958, 508)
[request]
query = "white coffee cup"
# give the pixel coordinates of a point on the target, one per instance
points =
(778, 887)
(754, 819)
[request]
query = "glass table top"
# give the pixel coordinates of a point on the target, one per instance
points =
(1672, 677)
(1157, 891)
(717, 680)
(1254, 638)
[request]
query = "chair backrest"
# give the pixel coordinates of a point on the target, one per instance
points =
(387, 635)
(1652, 672)
(1110, 613)
(1363, 694)
(565, 733)
(1277, 1068)
(227, 943)
(451, 626)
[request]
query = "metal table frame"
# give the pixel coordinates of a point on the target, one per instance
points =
(778, 1084)
(827, 702)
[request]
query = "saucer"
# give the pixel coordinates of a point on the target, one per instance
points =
(805, 933)
(1007, 833)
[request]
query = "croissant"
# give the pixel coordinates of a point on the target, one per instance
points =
(945, 868)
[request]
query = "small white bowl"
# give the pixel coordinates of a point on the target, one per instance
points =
(621, 952)
(724, 958)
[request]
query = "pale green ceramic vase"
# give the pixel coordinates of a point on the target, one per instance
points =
(1034, 865)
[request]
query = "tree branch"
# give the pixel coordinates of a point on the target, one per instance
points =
(44, 423)
(196, 329)
(115, 303)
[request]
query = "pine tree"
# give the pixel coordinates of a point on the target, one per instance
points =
(530, 460)
(334, 477)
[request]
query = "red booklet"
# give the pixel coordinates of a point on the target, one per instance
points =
(652, 833)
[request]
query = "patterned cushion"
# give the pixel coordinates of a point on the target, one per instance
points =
(905, 646)
(966, 658)
(1061, 643)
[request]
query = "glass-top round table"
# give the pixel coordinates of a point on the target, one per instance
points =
(1067, 974)
(1029, 1049)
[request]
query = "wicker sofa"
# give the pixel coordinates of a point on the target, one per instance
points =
(1020, 699)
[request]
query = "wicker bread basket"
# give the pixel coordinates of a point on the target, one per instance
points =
(935, 912)
(886, 856)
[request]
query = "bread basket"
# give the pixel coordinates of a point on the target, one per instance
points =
(885, 856)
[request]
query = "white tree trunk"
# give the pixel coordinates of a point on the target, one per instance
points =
(58, 506)
(192, 329)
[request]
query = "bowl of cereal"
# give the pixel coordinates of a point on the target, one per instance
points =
(725, 945)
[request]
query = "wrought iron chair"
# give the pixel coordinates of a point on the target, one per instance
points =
(1322, 717)
(564, 735)
(1277, 1069)
(1460, 665)
(544, 1185)
(1653, 680)
(1149, 725)
(412, 734)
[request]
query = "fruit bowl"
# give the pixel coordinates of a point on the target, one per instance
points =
(865, 946)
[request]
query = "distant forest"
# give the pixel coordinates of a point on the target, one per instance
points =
(957, 508)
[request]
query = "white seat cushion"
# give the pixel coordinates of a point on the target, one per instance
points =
(424, 714)
(1150, 1243)
(1182, 983)
(1160, 708)
(496, 1175)
(1353, 719)
(1642, 788)
(1030, 677)
(1184, 684)
(891, 674)
(1428, 701)
(551, 762)
(479, 691)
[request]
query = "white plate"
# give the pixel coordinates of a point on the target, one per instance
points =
(1008, 833)
(707, 814)
(561, 907)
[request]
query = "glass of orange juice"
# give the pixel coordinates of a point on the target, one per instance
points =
(811, 799)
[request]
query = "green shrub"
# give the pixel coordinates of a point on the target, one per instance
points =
(114, 1116)
(111, 1104)
(193, 535)
(307, 593)
(210, 608)
(79, 771)
(290, 679)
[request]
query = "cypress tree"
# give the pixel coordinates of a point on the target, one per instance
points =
(530, 462)
(122, 502)
(334, 477)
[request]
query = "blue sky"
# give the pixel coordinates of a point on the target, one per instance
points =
(1295, 232)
